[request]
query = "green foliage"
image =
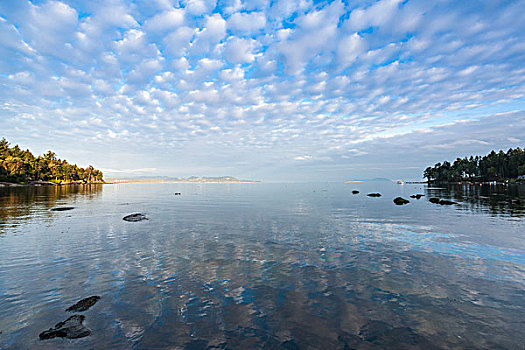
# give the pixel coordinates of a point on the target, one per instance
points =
(17, 165)
(492, 167)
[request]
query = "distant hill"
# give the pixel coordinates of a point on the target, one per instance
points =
(376, 179)
(191, 179)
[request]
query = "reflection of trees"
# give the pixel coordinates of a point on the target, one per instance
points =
(18, 203)
(498, 199)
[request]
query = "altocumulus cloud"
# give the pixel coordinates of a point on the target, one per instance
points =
(274, 90)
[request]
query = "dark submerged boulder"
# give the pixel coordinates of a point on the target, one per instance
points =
(62, 208)
(401, 201)
(446, 202)
(374, 195)
(71, 328)
(434, 200)
(417, 196)
(382, 335)
(355, 192)
(84, 304)
(135, 217)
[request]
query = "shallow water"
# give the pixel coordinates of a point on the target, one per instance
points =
(308, 266)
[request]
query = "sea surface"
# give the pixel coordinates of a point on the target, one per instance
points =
(265, 266)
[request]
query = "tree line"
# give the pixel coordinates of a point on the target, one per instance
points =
(492, 167)
(17, 165)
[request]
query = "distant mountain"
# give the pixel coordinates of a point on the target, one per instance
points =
(191, 179)
(376, 179)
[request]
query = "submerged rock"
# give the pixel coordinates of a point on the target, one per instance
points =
(436, 200)
(374, 195)
(401, 201)
(135, 217)
(62, 208)
(84, 304)
(355, 192)
(417, 196)
(71, 328)
(385, 336)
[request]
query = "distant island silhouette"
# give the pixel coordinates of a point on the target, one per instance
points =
(191, 179)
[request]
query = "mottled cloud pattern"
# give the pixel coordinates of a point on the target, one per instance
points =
(273, 90)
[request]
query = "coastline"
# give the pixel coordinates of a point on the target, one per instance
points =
(507, 182)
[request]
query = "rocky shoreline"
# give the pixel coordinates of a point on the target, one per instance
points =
(47, 183)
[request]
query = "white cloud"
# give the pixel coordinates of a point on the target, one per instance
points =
(213, 32)
(134, 46)
(316, 33)
(272, 76)
(177, 42)
(246, 23)
(303, 158)
(376, 15)
(165, 21)
(199, 7)
(240, 50)
(349, 48)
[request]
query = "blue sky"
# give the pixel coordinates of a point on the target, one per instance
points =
(270, 90)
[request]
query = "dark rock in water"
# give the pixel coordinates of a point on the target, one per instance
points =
(62, 208)
(178, 193)
(434, 200)
(374, 329)
(84, 304)
(384, 336)
(446, 202)
(374, 195)
(355, 192)
(71, 328)
(135, 217)
(290, 345)
(197, 344)
(417, 196)
(401, 201)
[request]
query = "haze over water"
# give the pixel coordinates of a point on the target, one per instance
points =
(264, 266)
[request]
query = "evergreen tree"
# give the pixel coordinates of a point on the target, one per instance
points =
(492, 167)
(17, 165)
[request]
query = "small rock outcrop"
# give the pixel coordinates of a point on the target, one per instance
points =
(374, 195)
(434, 200)
(72, 328)
(417, 196)
(62, 208)
(178, 193)
(135, 217)
(355, 192)
(401, 201)
(84, 304)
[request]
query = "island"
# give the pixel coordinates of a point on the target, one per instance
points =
(19, 166)
(191, 179)
(495, 167)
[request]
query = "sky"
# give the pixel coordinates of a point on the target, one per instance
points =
(267, 90)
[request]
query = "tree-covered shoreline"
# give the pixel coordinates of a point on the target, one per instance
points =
(21, 166)
(498, 166)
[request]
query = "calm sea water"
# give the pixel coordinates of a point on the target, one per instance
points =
(239, 266)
